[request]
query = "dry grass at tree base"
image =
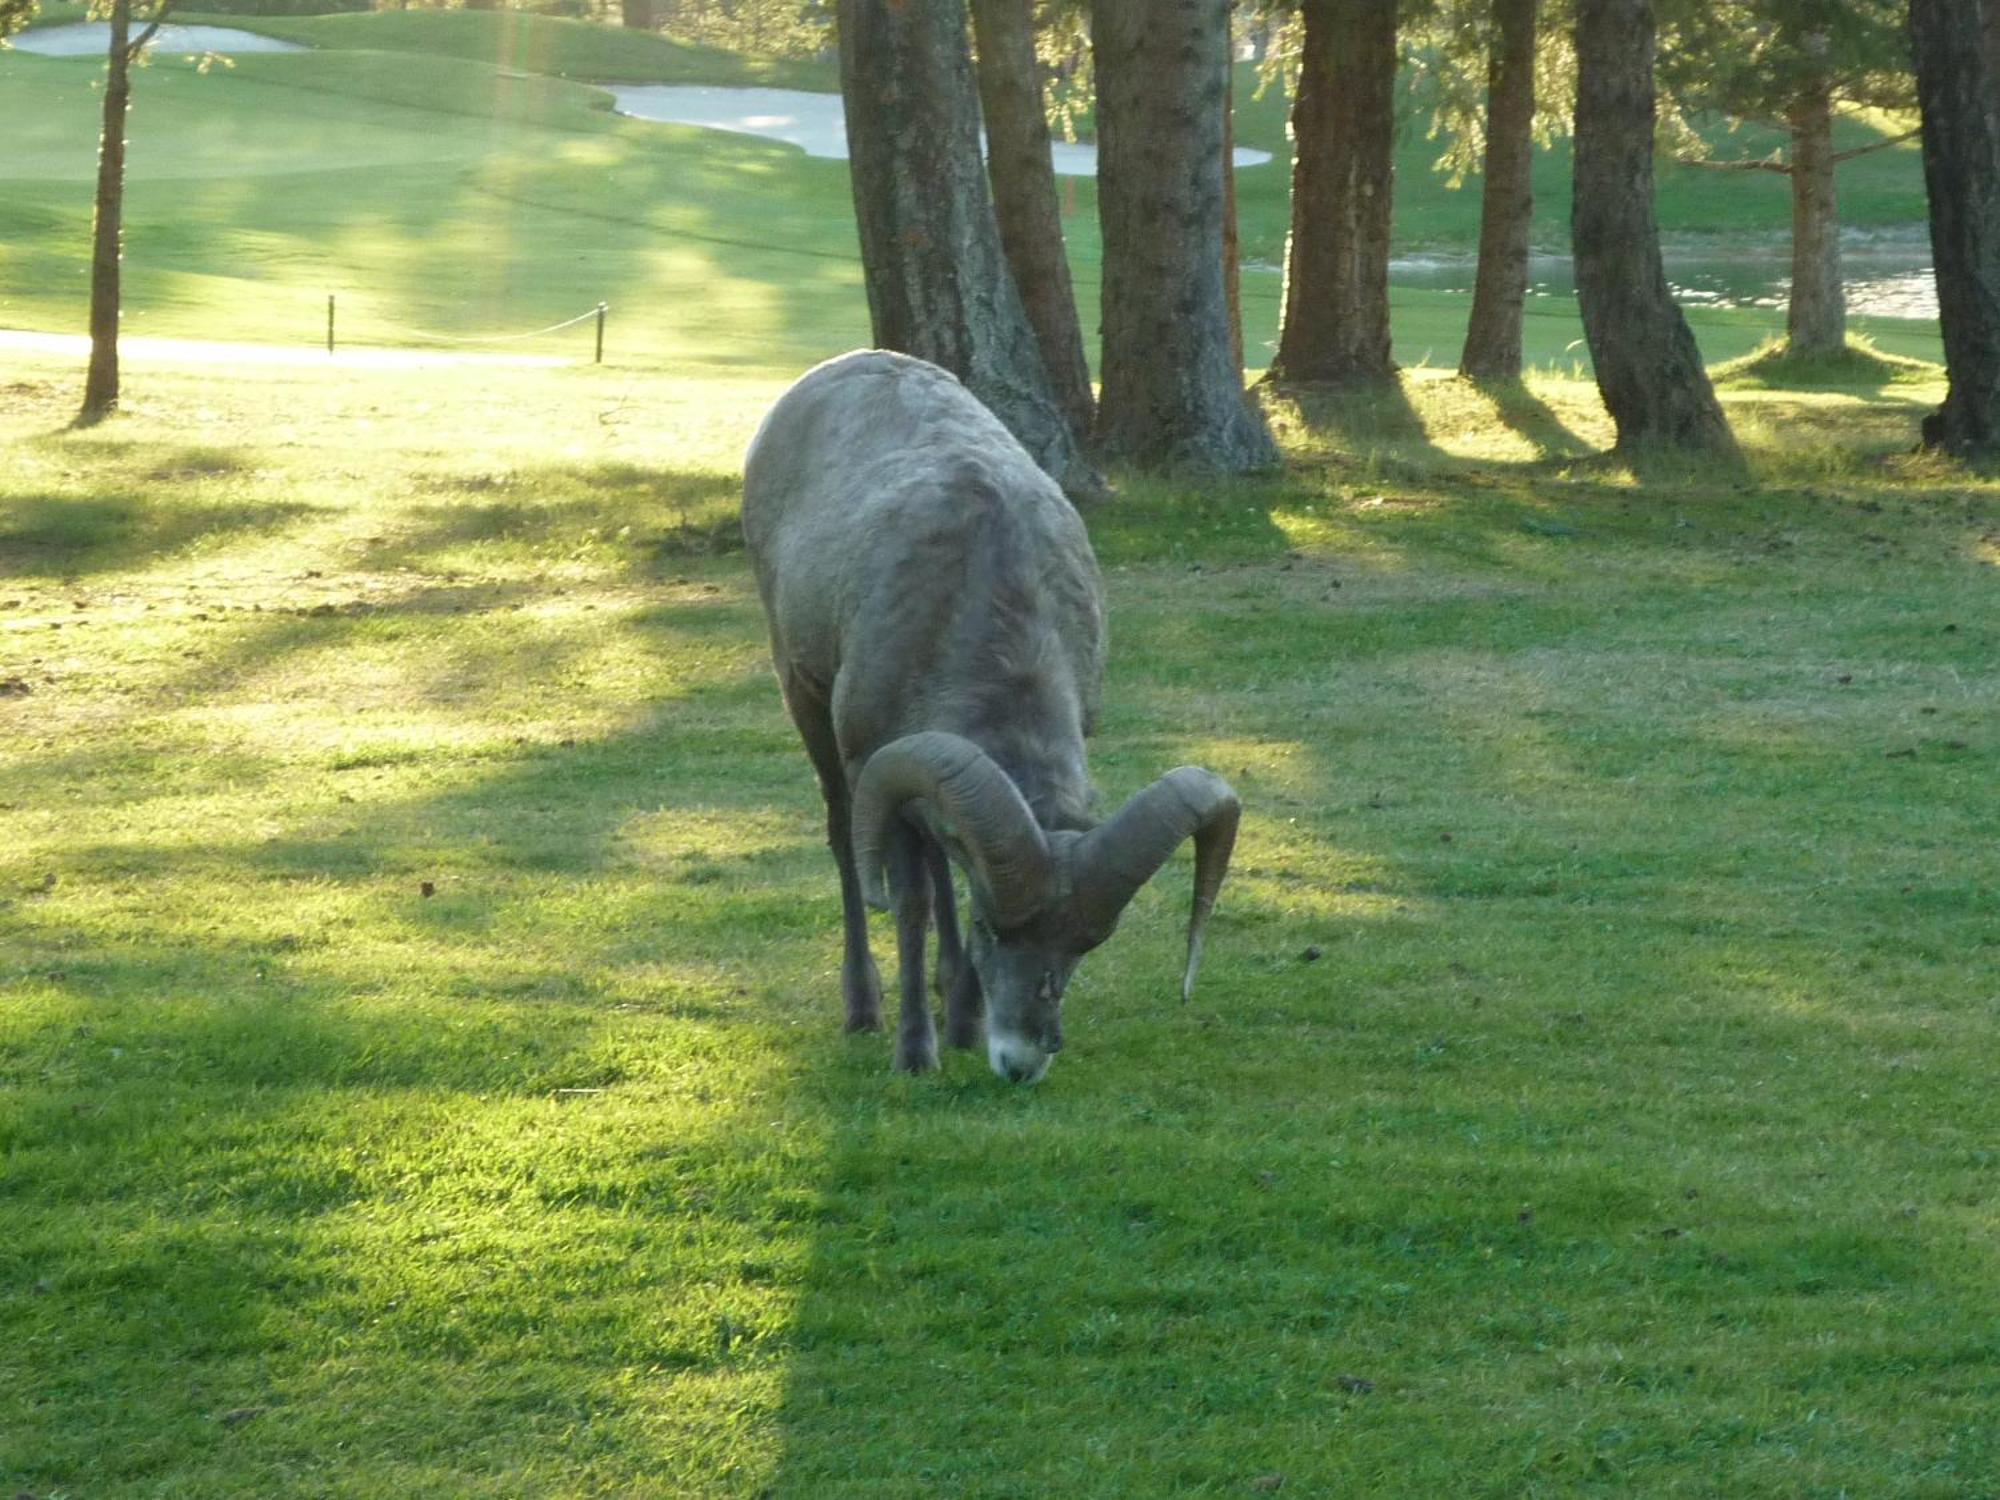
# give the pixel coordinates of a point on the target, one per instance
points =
(419, 1049)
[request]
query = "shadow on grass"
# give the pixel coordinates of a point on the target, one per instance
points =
(1535, 420)
(1200, 1250)
(1858, 369)
(653, 516)
(51, 536)
(298, 1113)
(1360, 420)
(268, 1208)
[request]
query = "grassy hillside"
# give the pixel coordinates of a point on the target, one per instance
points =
(419, 1060)
(399, 183)
(538, 44)
(463, 199)
(455, 189)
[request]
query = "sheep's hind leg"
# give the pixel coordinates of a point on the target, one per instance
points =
(910, 885)
(860, 981)
(956, 981)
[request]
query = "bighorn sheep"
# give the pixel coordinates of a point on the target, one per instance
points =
(937, 625)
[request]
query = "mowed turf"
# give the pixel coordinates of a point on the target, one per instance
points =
(420, 1064)
(405, 187)
(442, 175)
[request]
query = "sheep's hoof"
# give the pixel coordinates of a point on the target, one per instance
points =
(964, 1031)
(916, 1055)
(861, 988)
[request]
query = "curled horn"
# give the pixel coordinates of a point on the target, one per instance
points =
(1118, 856)
(974, 805)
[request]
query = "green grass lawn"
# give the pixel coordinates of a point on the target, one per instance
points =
(540, 44)
(419, 1050)
(415, 190)
(431, 170)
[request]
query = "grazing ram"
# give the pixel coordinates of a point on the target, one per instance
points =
(937, 625)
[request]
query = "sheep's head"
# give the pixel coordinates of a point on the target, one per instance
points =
(1040, 899)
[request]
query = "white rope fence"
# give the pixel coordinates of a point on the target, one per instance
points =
(596, 312)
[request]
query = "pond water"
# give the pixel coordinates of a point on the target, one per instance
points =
(91, 38)
(812, 122)
(1886, 278)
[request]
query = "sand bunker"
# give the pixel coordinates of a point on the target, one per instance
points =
(812, 122)
(91, 38)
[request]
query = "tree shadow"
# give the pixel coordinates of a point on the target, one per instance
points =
(1362, 420)
(656, 516)
(66, 536)
(210, 1192)
(1519, 408)
(296, 1116)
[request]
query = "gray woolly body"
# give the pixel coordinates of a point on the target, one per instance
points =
(920, 572)
(937, 624)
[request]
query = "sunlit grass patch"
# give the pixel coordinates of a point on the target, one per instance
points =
(1859, 365)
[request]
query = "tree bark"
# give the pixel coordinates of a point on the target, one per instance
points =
(1336, 325)
(100, 385)
(1173, 390)
(1957, 48)
(637, 15)
(1232, 239)
(1507, 198)
(937, 280)
(1648, 369)
(1022, 171)
(1816, 318)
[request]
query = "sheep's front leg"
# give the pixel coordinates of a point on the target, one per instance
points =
(910, 885)
(957, 981)
(860, 984)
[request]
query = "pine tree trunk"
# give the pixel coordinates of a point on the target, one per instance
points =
(1816, 319)
(100, 386)
(1957, 47)
(637, 15)
(1023, 175)
(1507, 198)
(1336, 325)
(1648, 369)
(938, 283)
(1232, 239)
(1173, 390)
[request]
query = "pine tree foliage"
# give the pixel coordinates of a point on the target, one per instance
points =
(15, 14)
(1752, 59)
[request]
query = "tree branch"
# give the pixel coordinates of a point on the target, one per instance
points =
(1762, 164)
(1771, 163)
(134, 48)
(1894, 140)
